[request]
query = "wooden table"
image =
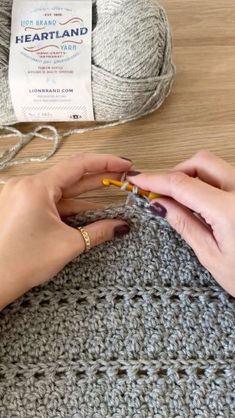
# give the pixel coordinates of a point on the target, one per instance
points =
(200, 113)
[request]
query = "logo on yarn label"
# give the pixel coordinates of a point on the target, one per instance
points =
(50, 60)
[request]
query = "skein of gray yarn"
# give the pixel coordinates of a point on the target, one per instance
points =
(132, 69)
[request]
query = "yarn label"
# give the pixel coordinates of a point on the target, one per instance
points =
(50, 60)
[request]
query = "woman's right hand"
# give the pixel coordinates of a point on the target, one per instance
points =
(198, 200)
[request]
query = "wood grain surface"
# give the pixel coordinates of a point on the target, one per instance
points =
(200, 112)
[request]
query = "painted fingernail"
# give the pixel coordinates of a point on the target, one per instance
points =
(121, 231)
(133, 173)
(127, 159)
(158, 210)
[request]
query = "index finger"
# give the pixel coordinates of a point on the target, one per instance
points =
(210, 169)
(68, 172)
(190, 192)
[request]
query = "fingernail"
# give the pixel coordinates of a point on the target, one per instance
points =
(158, 210)
(133, 173)
(121, 231)
(127, 159)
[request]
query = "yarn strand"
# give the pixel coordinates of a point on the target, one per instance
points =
(7, 156)
(132, 72)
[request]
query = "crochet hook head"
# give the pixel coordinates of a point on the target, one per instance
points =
(130, 188)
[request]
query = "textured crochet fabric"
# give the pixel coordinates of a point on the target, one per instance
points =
(135, 328)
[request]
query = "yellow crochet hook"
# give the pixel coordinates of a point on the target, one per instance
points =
(130, 188)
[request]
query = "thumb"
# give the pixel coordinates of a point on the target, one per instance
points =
(98, 232)
(194, 231)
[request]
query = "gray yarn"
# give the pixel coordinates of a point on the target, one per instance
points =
(132, 68)
(135, 328)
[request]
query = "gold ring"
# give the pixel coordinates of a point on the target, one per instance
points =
(86, 238)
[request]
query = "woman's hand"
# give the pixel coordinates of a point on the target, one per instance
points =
(199, 203)
(35, 243)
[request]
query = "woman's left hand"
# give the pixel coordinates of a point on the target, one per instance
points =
(35, 243)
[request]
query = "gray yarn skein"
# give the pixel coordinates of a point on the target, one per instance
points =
(132, 69)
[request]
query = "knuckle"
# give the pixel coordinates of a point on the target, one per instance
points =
(177, 179)
(19, 183)
(25, 185)
(99, 236)
(181, 225)
(208, 255)
(11, 182)
(207, 260)
(203, 155)
(23, 190)
(82, 155)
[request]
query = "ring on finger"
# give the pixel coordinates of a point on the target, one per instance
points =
(86, 238)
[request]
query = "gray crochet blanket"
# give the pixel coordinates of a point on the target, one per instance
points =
(134, 329)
